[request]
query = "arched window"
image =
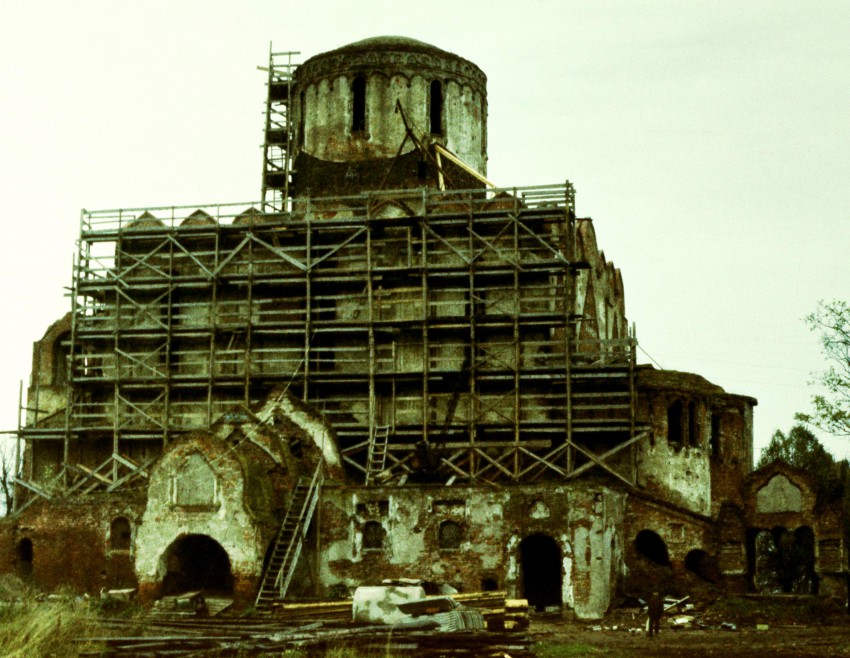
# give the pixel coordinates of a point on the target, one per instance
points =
(693, 425)
(451, 534)
(435, 109)
(373, 536)
(120, 534)
(715, 435)
(675, 414)
(358, 105)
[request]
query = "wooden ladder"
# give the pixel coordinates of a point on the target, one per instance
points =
(376, 459)
(290, 540)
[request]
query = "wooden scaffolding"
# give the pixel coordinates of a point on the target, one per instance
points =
(433, 330)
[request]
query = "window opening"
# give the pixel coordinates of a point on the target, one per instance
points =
(120, 534)
(674, 422)
(373, 536)
(693, 425)
(489, 585)
(451, 535)
(435, 111)
(715, 435)
(358, 114)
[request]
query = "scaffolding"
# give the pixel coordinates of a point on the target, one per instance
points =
(278, 133)
(435, 331)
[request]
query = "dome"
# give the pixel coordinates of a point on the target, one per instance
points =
(391, 53)
(391, 43)
(348, 126)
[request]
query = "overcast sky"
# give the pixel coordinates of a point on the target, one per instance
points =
(709, 141)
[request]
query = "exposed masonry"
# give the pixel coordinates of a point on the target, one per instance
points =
(436, 379)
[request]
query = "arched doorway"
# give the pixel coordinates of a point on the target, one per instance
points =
(783, 562)
(23, 557)
(699, 563)
(196, 562)
(542, 577)
(649, 544)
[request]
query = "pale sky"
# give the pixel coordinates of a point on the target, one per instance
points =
(709, 141)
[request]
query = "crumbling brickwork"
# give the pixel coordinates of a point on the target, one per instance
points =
(499, 535)
(448, 366)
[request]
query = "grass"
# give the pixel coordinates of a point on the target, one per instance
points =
(30, 628)
(777, 610)
(334, 652)
(566, 650)
(34, 629)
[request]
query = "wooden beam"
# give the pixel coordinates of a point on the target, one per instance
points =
(598, 459)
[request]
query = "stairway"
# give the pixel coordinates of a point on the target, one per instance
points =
(290, 541)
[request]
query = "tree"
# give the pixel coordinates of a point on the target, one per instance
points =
(801, 449)
(7, 468)
(832, 410)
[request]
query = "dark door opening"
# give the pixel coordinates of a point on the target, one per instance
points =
(542, 579)
(23, 557)
(196, 562)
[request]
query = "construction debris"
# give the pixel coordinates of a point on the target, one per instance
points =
(239, 637)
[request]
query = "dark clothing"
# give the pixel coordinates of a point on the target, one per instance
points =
(655, 611)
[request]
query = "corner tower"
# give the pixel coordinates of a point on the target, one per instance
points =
(385, 113)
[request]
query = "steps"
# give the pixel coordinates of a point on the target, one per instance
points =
(290, 541)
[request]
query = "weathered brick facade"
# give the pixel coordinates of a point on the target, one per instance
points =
(450, 364)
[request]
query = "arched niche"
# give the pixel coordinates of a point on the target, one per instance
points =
(779, 495)
(195, 485)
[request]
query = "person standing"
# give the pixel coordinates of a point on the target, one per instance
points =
(655, 609)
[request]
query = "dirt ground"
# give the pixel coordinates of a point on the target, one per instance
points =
(792, 627)
(799, 642)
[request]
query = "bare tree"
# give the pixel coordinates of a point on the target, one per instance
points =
(7, 475)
